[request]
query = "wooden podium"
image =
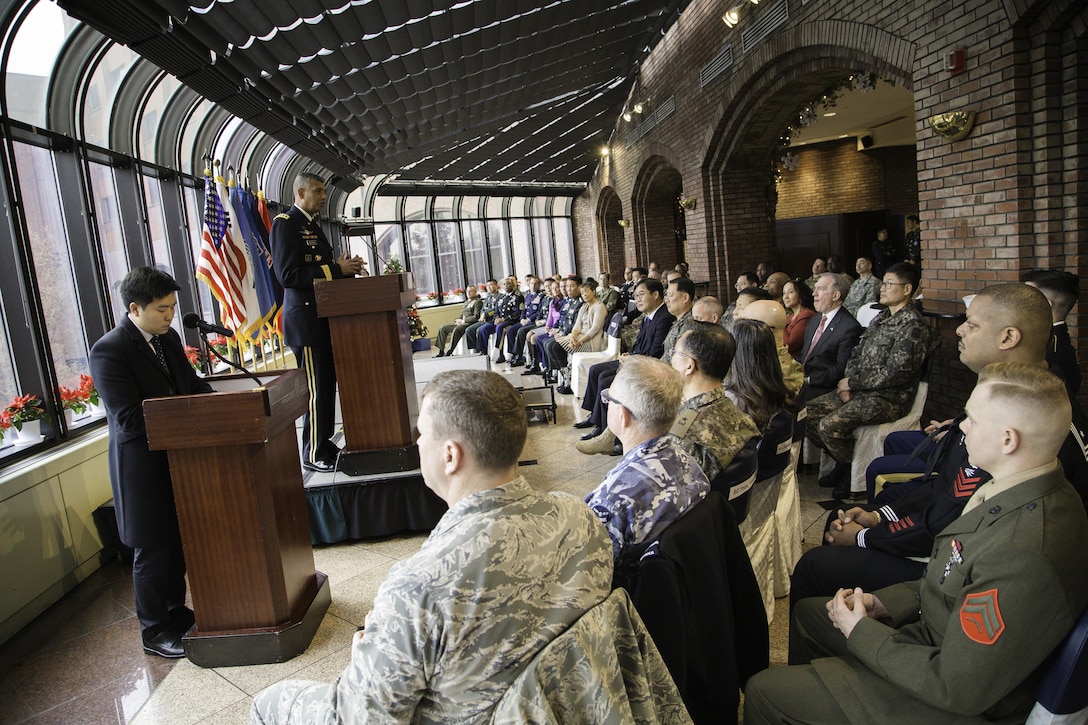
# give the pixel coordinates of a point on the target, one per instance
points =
(373, 353)
(234, 463)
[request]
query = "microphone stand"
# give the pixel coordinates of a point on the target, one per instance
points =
(211, 349)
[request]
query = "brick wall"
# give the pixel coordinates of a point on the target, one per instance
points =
(1008, 197)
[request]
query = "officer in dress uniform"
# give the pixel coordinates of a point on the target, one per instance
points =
(300, 255)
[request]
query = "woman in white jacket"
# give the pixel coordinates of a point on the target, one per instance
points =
(587, 335)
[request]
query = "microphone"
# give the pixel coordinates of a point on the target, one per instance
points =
(193, 322)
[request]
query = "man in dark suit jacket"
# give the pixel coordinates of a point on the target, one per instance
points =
(825, 361)
(300, 255)
(127, 370)
(656, 323)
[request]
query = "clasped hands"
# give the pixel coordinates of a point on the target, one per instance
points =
(850, 606)
(843, 390)
(844, 530)
(351, 266)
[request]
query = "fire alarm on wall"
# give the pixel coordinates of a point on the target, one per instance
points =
(956, 61)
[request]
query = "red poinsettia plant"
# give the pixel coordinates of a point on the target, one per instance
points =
(79, 399)
(192, 354)
(24, 409)
(5, 423)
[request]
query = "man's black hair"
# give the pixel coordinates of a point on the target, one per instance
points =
(144, 285)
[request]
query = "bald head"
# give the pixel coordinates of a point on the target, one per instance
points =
(775, 283)
(707, 309)
(770, 313)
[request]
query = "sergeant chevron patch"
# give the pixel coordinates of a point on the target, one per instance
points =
(980, 617)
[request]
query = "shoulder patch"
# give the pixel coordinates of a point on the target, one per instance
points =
(283, 216)
(684, 420)
(980, 617)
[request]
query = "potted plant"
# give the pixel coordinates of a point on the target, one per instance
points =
(417, 330)
(26, 414)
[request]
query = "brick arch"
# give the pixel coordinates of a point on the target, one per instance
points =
(653, 203)
(610, 246)
(777, 79)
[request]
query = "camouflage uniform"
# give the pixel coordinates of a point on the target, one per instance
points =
(653, 485)
(862, 292)
(793, 375)
(883, 371)
(712, 429)
(470, 313)
(435, 650)
(682, 325)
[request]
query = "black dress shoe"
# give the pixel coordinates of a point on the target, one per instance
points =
(517, 362)
(587, 423)
(320, 466)
(164, 644)
(838, 476)
(500, 359)
(565, 390)
(531, 370)
(597, 430)
(843, 493)
(440, 354)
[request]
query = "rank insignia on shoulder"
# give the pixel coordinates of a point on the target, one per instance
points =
(684, 420)
(283, 216)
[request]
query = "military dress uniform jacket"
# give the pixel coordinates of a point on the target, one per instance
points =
(887, 361)
(126, 373)
(300, 255)
(471, 310)
(510, 307)
(1003, 588)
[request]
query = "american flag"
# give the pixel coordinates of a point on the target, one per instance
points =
(221, 266)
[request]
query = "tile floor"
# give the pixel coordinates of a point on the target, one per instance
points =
(81, 661)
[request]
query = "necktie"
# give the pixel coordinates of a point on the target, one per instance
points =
(157, 344)
(816, 337)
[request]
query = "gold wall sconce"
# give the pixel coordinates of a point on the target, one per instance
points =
(954, 125)
(687, 204)
(624, 223)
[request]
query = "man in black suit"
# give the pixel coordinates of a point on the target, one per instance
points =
(1061, 289)
(656, 323)
(825, 360)
(300, 255)
(139, 359)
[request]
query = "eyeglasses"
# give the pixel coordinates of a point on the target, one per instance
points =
(607, 398)
(893, 284)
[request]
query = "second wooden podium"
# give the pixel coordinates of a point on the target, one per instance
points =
(234, 463)
(373, 353)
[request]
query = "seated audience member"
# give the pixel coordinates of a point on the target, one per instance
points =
(764, 271)
(819, 266)
(628, 301)
(965, 643)
(535, 311)
(572, 290)
(885, 253)
(747, 297)
(755, 382)
(881, 377)
(587, 335)
(650, 342)
(776, 284)
(747, 280)
(797, 299)
(709, 425)
(508, 312)
(773, 315)
(830, 338)
(682, 268)
(707, 309)
(864, 290)
(834, 266)
(606, 293)
(1061, 289)
(433, 649)
(470, 312)
(525, 342)
(656, 481)
(487, 313)
(879, 545)
(679, 300)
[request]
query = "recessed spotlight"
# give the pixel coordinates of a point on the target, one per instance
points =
(829, 114)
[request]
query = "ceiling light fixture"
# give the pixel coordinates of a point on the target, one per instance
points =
(639, 107)
(627, 116)
(604, 151)
(732, 16)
